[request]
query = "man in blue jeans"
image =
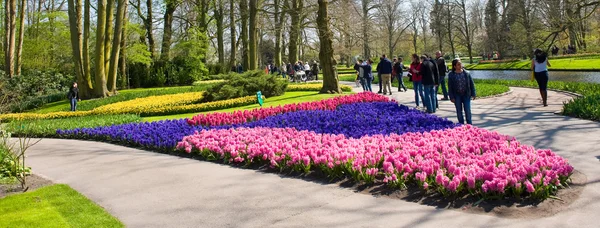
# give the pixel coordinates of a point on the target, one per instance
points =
(430, 79)
(442, 68)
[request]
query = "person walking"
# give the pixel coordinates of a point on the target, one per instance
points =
(461, 89)
(384, 72)
(283, 69)
(430, 78)
(73, 96)
(442, 68)
(415, 70)
(368, 69)
(315, 70)
(539, 65)
(361, 78)
(398, 71)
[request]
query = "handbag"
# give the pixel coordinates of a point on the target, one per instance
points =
(410, 77)
(532, 75)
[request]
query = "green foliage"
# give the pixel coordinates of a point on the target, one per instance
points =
(53, 206)
(246, 84)
(124, 95)
(33, 89)
(11, 159)
(189, 58)
(47, 128)
(587, 107)
(558, 63)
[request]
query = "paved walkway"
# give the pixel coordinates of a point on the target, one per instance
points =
(145, 189)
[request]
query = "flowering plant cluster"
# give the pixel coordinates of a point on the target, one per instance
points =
(363, 136)
(465, 159)
(237, 117)
(313, 87)
(138, 105)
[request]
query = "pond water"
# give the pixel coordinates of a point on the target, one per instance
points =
(568, 76)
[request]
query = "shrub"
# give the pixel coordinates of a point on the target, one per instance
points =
(313, 87)
(33, 89)
(246, 84)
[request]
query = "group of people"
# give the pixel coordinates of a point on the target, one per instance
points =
(290, 69)
(427, 75)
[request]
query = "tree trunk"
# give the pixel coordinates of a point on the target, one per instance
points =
(123, 52)
(74, 13)
(294, 31)
(232, 31)
(100, 89)
(167, 30)
(218, 15)
(449, 28)
(244, 35)
(18, 63)
(278, 16)
(10, 32)
(365, 31)
(87, 69)
(114, 55)
(108, 37)
(330, 77)
(253, 38)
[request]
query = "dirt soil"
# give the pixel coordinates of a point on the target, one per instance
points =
(33, 182)
(505, 208)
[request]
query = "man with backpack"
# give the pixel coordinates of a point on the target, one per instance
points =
(442, 68)
(430, 75)
(384, 74)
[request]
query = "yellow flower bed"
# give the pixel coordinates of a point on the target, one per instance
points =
(149, 110)
(313, 87)
(202, 107)
(141, 105)
(53, 115)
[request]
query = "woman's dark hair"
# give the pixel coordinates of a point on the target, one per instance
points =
(454, 62)
(540, 56)
(415, 56)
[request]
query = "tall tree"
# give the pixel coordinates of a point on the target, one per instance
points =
(295, 11)
(437, 23)
(148, 21)
(165, 50)
(219, 14)
(100, 89)
(253, 35)
(328, 63)
(74, 12)
(367, 6)
(244, 33)
(278, 19)
(116, 43)
(391, 14)
(466, 27)
(232, 31)
(10, 8)
(448, 9)
(22, 9)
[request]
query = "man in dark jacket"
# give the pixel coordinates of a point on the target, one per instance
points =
(442, 68)
(430, 79)
(384, 74)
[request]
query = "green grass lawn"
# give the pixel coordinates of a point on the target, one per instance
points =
(287, 98)
(53, 206)
(577, 63)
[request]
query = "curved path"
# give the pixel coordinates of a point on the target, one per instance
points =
(146, 189)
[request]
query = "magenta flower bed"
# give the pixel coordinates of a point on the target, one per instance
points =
(238, 117)
(465, 159)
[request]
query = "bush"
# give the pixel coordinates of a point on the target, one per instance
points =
(33, 89)
(246, 84)
(313, 87)
(10, 163)
(47, 128)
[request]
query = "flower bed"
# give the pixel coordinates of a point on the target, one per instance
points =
(140, 105)
(237, 117)
(363, 136)
(460, 160)
(313, 87)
